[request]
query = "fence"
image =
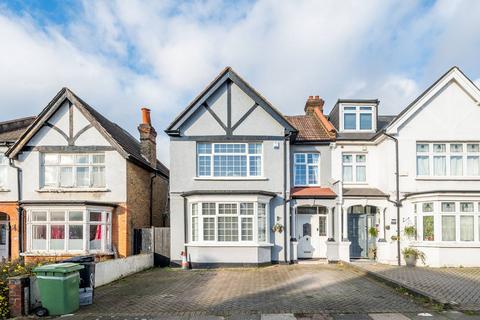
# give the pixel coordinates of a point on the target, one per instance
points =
(156, 240)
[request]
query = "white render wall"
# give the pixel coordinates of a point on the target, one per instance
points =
(10, 192)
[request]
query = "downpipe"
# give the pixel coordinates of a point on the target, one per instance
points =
(19, 209)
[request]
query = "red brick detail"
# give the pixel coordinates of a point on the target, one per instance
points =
(16, 297)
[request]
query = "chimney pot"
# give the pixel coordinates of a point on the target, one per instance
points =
(314, 102)
(146, 116)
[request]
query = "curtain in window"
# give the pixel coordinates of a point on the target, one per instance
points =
(466, 228)
(361, 174)
(439, 165)
(456, 165)
(98, 177)
(347, 173)
(448, 228)
(262, 222)
(473, 166)
(423, 168)
(313, 174)
(349, 121)
(365, 121)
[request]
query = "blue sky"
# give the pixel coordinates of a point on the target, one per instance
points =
(122, 55)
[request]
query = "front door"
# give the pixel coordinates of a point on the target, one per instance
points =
(4, 231)
(312, 235)
(360, 241)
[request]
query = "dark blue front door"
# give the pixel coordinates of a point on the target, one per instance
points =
(358, 235)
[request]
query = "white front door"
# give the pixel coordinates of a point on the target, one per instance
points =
(312, 235)
(4, 232)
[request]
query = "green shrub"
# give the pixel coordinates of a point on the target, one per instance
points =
(10, 269)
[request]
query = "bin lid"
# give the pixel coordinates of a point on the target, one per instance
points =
(66, 267)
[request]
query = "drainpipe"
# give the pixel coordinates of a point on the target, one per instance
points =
(285, 200)
(19, 209)
(154, 175)
(397, 194)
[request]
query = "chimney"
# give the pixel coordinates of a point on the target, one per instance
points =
(148, 138)
(314, 102)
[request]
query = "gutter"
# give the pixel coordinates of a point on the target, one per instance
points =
(397, 202)
(19, 209)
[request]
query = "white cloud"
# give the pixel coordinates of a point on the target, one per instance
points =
(122, 55)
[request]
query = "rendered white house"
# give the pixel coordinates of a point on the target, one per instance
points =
(250, 186)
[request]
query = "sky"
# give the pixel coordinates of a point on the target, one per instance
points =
(120, 56)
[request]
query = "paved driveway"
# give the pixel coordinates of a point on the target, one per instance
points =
(276, 289)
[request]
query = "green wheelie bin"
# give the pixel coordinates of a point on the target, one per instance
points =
(58, 284)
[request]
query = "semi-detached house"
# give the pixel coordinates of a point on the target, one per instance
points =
(251, 186)
(74, 183)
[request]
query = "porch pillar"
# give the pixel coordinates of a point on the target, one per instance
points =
(345, 224)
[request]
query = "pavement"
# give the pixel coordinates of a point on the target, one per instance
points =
(456, 288)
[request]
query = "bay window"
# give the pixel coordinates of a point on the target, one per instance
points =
(229, 159)
(68, 230)
(448, 159)
(228, 222)
(354, 168)
(3, 171)
(306, 169)
(73, 170)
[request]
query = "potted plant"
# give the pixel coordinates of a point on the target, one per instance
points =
(410, 231)
(411, 255)
(372, 253)
(277, 228)
(373, 232)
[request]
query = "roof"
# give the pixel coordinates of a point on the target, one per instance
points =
(363, 192)
(309, 128)
(121, 140)
(227, 74)
(11, 130)
(312, 192)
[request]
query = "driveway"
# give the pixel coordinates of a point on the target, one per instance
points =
(318, 289)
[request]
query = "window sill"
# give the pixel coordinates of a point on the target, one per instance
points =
(4, 190)
(449, 244)
(64, 253)
(230, 178)
(355, 184)
(61, 190)
(443, 178)
(228, 244)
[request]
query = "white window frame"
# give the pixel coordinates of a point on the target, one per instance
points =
(106, 229)
(238, 215)
(307, 166)
(212, 155)
(447, 154)
(354, 164)
(74, 167)
(357, 111)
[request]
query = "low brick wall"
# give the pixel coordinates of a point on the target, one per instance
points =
(111, 270)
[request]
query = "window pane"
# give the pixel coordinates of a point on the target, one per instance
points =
(204, 165)
(365, 121)
(439, 166)
(57, 237)
(227, 229)
(456, 147)
(347, 158)
(350, 108)
(322, 226)
(456, 166)
(194, 209)
(466, 228)
(66, 159)
(39, 216)
(194, 228)
(312, 158)
(98, 177)
(39, 237)
(95, 241)
(466, 206)
(208, 209)
(365, 108)
(50, 158)
(473, 166)
(227, 208)
(300, 174)
(81, 158)
(448, 228)
(423, 166)
(427, 207)
(473, 147)
(313, 174)
(255, 166)
(262, 222)
(66, 176)
(204, 148)
(361, 174)
(347, 173)
(422, 147)
(360, 158)
(83, 177)
(50, 176)
(57, 216)
(349, 121)
(448, 206)
(255, 148)
(98, 158)
(209, 229)
(95, 216)
(247, 229)
(230, 166)
(229, 148)
(439, 147)
(428, 229)
(300, 158)
(75, 215)
(75, 238)
(246, 208)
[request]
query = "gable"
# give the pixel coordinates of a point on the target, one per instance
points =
(452, 86)
(226, 103)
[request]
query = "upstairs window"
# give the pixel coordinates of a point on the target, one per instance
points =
(354, 168)
(448, 159)
(307, 167)
(73, 170)
(358, 118)
(3, 171)
(229, 159)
